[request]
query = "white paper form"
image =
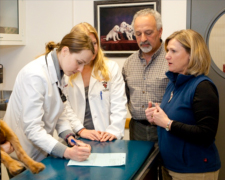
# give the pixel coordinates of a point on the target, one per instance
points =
(102, 159)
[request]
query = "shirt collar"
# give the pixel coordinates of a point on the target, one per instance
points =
(178, 79)
(59, 72)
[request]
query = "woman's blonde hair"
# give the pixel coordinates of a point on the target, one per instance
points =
(100, 61)
(196, 47)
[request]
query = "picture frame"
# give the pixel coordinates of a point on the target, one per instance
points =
(109, 16)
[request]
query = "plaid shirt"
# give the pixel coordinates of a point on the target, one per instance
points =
(145, 82)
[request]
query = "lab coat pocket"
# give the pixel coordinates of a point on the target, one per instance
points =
(105, 100)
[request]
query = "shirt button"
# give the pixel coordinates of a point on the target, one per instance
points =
(143, 92)
(143, 106)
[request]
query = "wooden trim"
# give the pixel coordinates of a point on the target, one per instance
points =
(127, 123)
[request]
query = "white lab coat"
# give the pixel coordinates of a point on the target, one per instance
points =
(108, 110)
(35, 108)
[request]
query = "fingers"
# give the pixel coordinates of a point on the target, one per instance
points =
(101, 134)
(84, 149)
(89, 146)
(77, 153)
(93, 137)
(107, 137)
(112, 137)
(157, 107)
(72, 141)
(79, 141)
(149, 104)
(82, 153)
(91, 134)
(149, 112)
(96, 135)
(86, 146)
(150, 109)
(82, 144)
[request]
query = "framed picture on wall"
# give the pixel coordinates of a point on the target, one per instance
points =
(113, 22)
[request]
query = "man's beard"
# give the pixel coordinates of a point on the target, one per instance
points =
(146, 49)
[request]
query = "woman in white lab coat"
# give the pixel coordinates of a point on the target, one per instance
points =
(97, 96)
(36, 105)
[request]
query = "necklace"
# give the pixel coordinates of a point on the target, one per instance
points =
(171, 96)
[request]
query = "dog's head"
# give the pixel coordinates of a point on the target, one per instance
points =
(123, 24)
(116, 28)
(129, 28)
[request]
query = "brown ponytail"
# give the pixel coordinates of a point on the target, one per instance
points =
(76, 41)
(50, 46)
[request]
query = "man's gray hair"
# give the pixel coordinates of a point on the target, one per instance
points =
(148, 11)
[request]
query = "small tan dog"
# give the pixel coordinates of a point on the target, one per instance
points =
(15, 167)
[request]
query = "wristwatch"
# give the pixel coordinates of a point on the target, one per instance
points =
(168, 125)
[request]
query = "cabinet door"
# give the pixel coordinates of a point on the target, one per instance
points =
(12, 22)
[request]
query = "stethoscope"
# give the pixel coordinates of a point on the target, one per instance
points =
(63, 97)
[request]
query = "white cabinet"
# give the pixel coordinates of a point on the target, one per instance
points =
(12, 22)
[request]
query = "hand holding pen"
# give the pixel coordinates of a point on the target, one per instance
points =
(79, 152)
(75, 142)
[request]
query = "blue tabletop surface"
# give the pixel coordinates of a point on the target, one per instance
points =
(57, 169)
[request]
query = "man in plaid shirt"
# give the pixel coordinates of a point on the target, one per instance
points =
(144, 73)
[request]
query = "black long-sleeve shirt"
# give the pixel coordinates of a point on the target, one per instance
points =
(206, 112)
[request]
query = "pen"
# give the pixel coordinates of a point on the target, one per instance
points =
(101, 94)
(74, 142)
